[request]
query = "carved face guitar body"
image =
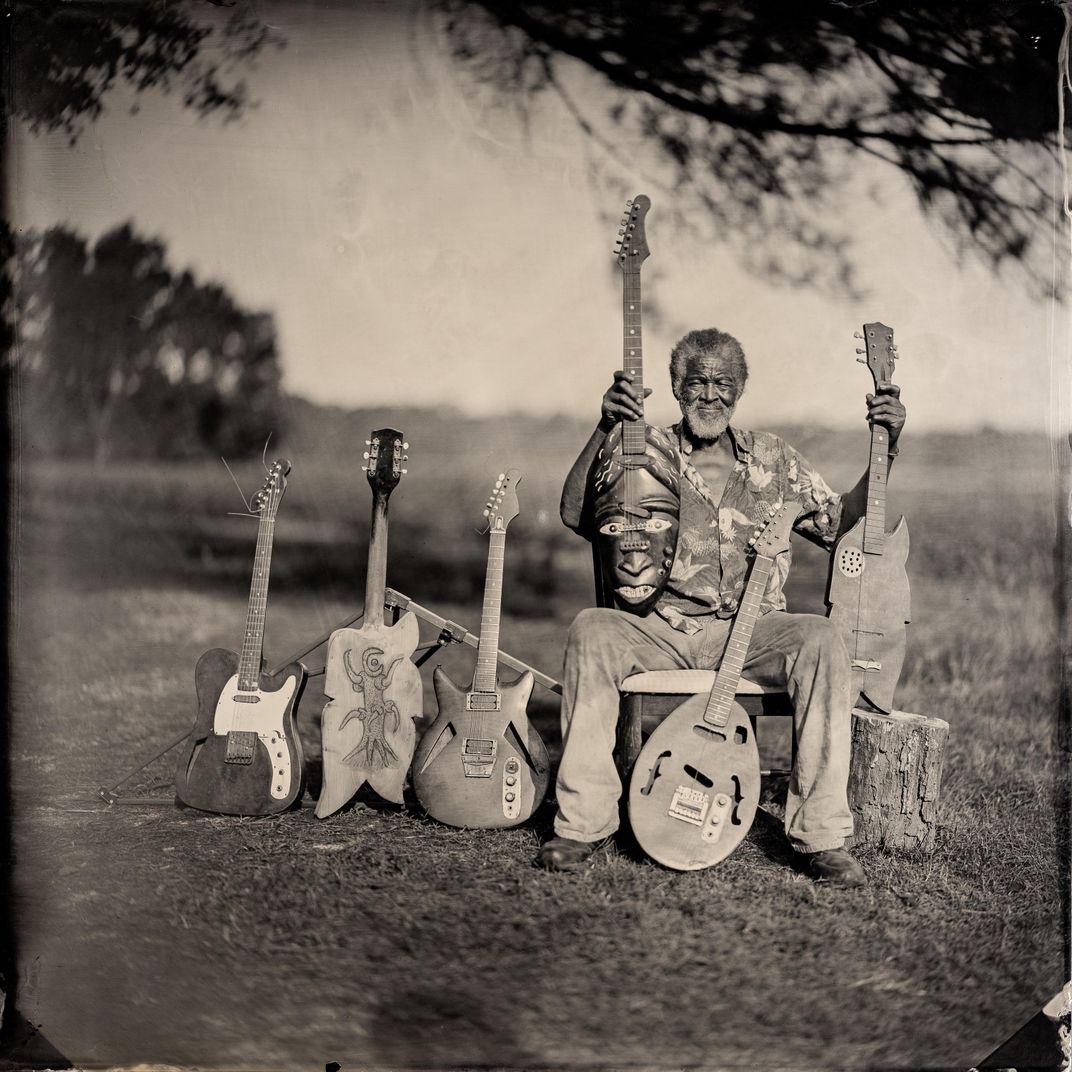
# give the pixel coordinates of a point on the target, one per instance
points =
(481, 763)
(374, 691)
(694, 789)
(634, 479)
(244, 756)
(868, 592)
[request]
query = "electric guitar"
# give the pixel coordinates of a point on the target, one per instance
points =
(695, 786)
(374, 690)
(868, 592)
(635, 478)
(482, 763)
(243, 755)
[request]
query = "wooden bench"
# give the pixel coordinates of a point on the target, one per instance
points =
(648, 697)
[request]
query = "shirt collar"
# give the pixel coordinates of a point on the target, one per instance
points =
(741, 441)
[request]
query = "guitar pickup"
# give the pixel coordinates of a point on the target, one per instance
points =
(483, 701)
(867, 665)
(246, 697)
(478, 756)
(240, 747)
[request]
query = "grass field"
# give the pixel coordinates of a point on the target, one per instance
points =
(378, 939)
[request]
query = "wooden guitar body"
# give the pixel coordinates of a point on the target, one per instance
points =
(694, 789)
(484, 769)
(243, 756)
(374, 694)
(870, 603)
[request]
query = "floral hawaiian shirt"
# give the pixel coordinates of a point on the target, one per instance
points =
(712, 562)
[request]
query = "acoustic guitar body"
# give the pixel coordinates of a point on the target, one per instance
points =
(244, 755)
(870, 603)
(484, 769)
(375, 694)
(694, 789)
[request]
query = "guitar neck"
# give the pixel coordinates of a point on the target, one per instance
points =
(376, 574)
(875, 511)
(249, 663)
(487, 653)
(720, 702)
(633, 436)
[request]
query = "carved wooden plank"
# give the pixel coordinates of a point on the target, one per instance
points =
(895, 778)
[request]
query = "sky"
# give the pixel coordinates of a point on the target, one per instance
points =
(418, 241)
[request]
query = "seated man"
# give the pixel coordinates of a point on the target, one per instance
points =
(728, 480)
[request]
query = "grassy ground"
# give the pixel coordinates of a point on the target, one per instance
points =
(378, 939)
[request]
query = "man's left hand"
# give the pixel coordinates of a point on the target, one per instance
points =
(885, 408)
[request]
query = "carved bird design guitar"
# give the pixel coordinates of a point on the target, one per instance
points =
(634, 478)
(695, 785)
(868, 591)
(374, 690)
(482, 763)
(243, 755)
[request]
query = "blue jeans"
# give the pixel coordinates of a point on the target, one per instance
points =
(801, 653)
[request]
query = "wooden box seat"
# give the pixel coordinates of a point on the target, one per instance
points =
(648, 697)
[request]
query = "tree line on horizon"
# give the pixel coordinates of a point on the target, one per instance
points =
(117, 354)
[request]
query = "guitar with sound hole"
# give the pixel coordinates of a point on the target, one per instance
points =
(635, 480)
(868, 591)
(244, 755)
(694, 789)
(374, 690)
(482, 763)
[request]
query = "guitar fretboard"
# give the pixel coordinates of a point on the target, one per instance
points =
(249, 663)
(487, 653)
(633, 437)
(875, 513)
(728, 677)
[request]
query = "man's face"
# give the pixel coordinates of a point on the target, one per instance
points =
(708, 395)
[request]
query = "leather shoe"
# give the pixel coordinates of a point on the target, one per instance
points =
(835, 867)
(566, 854)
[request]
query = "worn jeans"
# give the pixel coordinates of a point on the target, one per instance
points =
(801, 653)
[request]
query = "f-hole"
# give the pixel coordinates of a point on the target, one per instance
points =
(698, 776)
(654, 773)
(737, 798)
(740, 735)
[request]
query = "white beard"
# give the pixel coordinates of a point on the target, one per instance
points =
(709, 424)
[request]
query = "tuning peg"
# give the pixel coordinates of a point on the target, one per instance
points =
(404, 471)
(861, 360)
(487, 513)
(857, 335)
(405, 446)
(365, 455)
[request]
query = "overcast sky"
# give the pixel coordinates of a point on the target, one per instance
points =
(417, 243)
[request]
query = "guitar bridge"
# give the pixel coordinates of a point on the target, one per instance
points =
(241, 745)
(867, 665)
(478, 756)
(689, 805)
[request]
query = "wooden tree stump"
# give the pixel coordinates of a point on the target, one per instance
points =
(895, 778)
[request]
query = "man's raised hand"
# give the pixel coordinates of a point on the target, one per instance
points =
(885, 408)
(622, 401)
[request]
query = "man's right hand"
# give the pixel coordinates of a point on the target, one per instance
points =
(622, 401)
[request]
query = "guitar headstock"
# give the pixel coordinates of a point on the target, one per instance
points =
(632, 247)
(266, 501)
(880, 351)
(774, 539)
(384, 458)
(501, 508)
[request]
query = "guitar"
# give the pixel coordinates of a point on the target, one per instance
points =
(635, 479)
(374, 690)
(482, 763)
(243, 755)
(868, 591)
(695, 785)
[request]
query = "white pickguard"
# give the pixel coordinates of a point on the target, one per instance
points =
(264, 718)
